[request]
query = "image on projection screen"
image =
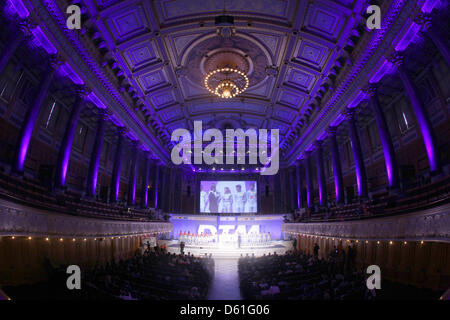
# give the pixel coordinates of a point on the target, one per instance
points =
(228, 197)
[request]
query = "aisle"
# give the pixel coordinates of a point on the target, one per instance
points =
(225, 285)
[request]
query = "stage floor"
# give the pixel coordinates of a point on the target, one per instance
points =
(280, 247)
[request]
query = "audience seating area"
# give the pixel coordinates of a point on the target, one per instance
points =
(384, 203)
(31, 192)
(153, 275)
(300, 277)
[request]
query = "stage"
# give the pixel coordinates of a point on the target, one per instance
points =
(218, 251)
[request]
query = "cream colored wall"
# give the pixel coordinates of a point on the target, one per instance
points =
(422, 264)
(22, 260)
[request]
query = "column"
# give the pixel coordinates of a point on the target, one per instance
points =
(165, 194)
(337, 169)
(421, 114)
(292, 202)
(10, 48)
(132, 178)
(433, 33)
(145, 181)
(95, 154)
(309, 181)
(360, 170)
(385, 137)
(66, 143)
(321, 174)
(156, 186)
(32, 115)
(300, 200)
(115, 179)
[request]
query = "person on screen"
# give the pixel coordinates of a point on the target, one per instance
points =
(227, 201)
(251, 199)
(203, 200)
(213, 199)
(239, 200)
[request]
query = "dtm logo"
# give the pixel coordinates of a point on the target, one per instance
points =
(227, 228)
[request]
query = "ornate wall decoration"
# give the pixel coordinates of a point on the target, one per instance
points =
(431, 225)
(16, 219)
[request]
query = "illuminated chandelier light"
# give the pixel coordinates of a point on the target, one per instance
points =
(230, 82)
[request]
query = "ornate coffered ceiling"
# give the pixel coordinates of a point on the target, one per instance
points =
(159, 49)
(147, 60)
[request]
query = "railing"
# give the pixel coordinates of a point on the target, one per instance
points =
(17, 219)
(429, 225)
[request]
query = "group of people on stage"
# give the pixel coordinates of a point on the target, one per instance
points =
(196, 238)
(239, 201)
(247, 239)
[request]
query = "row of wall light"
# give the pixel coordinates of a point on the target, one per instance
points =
(346, 240)
(61, 239)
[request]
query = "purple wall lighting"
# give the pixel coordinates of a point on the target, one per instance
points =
(406, 36)
(67, 71)
(428, 5)
(43, 41)
(384, 68)
(19, 8)
(95, 100)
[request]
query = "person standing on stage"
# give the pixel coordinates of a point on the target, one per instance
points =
(239, 200)
(213, 199)
(203, 200)
(182, 247)
(227, 201)
(251, 199)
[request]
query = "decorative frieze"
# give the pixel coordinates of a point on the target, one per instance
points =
(429, 225)
(16, 219)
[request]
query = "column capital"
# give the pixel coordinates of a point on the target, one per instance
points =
(135, 144)
(332, 130)
(423, 20)
(83, 91)
(26, 25)
(56, 61)
(369, 90)
(104, 114)
(122, 130)
(318, 144)
(349, 113)
(396, 59)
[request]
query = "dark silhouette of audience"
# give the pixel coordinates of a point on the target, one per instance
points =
(300, 277)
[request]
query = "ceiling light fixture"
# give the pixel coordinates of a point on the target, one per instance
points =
(226, 82)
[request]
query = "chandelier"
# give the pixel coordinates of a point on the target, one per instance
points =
(226, 82)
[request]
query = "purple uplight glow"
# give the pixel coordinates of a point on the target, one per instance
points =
(422, 119)
(95, 100)
(428, 5)
(406, 37)
(67, 70)
(43, 40)
(384, 68)
(360, 96)
(19, 8)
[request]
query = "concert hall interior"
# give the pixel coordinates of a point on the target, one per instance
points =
(224, 150)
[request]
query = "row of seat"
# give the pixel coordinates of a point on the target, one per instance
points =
(31, 192)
